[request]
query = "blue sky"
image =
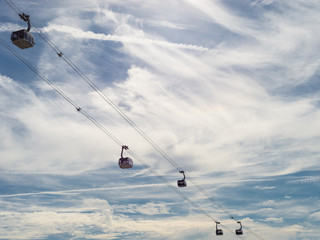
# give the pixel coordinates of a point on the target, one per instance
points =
(229, 90)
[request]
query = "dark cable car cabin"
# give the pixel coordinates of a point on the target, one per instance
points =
(23, 38)
(219, 232)
(182, 182)
(239, 231)
(125, 162)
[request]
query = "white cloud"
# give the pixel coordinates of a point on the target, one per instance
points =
(92, 218)
(265, 188)
(315, 216)
(262, 2)
(269, 203)
(163, 23)
(150, 208)
(215, 11)
(9, 27)
(38, 222)
(136, 39)
(39, 130)
(276, 220)
(307, 179)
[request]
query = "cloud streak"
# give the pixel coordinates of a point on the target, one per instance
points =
(142, 40)
(75, 191)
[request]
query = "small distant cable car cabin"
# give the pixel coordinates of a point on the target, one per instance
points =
(125, 162)
(182, 182)
(23, 38)
(239, 231)
(219, 232)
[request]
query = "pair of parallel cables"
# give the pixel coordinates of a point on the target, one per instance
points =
(105, 131)
(123, 115)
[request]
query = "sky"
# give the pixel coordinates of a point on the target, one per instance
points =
(228, 89)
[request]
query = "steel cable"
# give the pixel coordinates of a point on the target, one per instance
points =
(104, 130)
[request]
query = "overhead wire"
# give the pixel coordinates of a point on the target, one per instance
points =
(108, 133)
(123, 115)
(13, 6)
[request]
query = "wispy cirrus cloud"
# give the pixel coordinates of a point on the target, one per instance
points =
(141, 40)
(217, 12)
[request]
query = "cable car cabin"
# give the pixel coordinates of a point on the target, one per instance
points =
(219, 232)
(182, 182)
(239, 231)
(22, 39)
(125, 163)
